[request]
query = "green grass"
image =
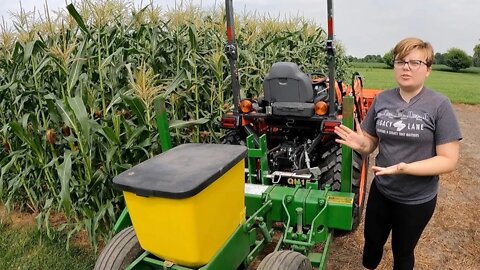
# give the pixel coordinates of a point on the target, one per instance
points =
(25, 248)
(460, 87)
(369, 65)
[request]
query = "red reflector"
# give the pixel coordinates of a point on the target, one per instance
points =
(229, 122)
(329, 126)
(229, 34)
(330, 27)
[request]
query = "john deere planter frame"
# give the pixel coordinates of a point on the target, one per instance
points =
(309, 217)
(299, 217)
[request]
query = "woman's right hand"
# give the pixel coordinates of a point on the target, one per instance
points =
(353, 139)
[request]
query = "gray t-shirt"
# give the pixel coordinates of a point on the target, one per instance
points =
(410, 132)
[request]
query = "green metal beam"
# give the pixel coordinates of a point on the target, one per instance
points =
(319, 260)
(162, 124)
(255, 154)
(347, 120)
(338, 210)
(123, 221)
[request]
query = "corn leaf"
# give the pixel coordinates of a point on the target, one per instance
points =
(132, 138)
(110, 135)
(76, 68)
(78, 18)
(42, 66)
(180, 78)
(52, 109)
(5, 169)
(80, 112)
(107, 61)
(67, 116)
(29, 49)
(31, 141)
(192, 34)
(64, 171)
(277, 40)
(137, 107)
(182, 124)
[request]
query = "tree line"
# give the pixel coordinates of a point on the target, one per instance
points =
(456, 59)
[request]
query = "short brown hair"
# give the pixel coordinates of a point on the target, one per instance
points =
(407, 45)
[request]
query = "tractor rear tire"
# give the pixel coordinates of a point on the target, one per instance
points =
(120, 252)
(359, 186)
(331, 173)
(285, 260)
(331, 167)
(234, 137)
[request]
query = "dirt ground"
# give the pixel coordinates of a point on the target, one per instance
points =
(451, 240)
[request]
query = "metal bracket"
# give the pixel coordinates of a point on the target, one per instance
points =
(231, 51)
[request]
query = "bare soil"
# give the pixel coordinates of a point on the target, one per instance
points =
(451, 240)
(16, 219)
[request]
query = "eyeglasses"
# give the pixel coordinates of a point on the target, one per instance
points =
(412, 64)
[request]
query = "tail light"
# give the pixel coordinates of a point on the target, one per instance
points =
(328, 126)
(230, 121)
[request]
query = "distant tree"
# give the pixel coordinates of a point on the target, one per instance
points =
(351, 59)
(476, 56)
(370, 58)
(439, 59)
(388, 58)
(457, 59)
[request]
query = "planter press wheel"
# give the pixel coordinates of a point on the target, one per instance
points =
(120, 252)
(285, 260)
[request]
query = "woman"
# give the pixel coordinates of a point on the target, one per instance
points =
(418, 136)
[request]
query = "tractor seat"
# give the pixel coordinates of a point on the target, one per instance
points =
(286, 83)
(288, 90)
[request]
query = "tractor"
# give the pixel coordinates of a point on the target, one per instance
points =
(295, 119)
(277, 188)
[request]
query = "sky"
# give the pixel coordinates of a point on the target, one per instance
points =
(364, 27)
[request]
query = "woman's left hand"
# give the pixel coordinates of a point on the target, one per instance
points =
(395, 169)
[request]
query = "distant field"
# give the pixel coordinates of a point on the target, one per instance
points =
(460, 87)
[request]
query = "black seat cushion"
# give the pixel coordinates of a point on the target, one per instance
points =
(286, 83)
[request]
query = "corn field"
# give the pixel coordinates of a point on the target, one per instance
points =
(77, 89)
